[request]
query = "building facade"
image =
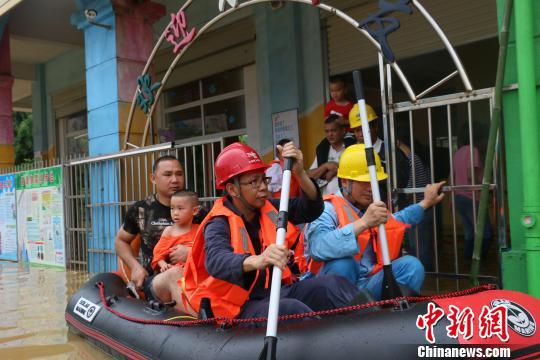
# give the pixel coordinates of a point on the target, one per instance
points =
(77, 72)
(278, 57)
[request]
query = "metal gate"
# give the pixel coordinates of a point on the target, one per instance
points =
(99, 190)
(434, 129)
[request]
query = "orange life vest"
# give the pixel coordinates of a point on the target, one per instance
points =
(227, 298)
(395, 230)
(295, 186)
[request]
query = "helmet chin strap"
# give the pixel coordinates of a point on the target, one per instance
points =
(241, 198)
(347, 191)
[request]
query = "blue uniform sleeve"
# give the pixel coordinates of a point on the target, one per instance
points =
(221, 262)
(412, 215)
(326, 241)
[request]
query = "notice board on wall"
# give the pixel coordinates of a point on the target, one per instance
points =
(285, 126)
(40, 216)
(8, 218)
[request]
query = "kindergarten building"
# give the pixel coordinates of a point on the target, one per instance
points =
(261, 72)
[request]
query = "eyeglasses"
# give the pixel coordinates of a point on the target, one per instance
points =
(256, 183)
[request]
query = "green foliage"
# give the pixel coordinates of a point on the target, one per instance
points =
(22, 127)
(243, 139)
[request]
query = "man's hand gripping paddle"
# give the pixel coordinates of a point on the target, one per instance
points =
(390, 288)
(270, 341)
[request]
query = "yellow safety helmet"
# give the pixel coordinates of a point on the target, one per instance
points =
(353, 164)
(354, 116)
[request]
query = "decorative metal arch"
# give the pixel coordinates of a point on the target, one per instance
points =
(177, 28)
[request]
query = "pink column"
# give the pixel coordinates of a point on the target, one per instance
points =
(134, 43)
(7, 152)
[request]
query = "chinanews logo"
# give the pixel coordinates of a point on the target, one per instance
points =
(519, 319)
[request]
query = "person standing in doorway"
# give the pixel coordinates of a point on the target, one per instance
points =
(324, 167)
(356, 126)
(464, 198)
(422, 234)
(339, 104)
(378, 145)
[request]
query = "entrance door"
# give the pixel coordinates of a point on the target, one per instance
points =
(445, 135)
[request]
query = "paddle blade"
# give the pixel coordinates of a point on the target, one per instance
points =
(268, 352)
(390, 288)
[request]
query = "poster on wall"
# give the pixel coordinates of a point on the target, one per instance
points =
(285, 126)
(40, 221)
(8, 218)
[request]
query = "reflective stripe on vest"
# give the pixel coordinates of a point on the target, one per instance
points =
(273, 215)
(227, 298)
(245, 239)
(349, 212)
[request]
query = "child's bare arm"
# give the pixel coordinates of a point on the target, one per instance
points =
(167, 231)
(160, 250)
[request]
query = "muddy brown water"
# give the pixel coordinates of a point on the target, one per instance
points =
(32, 304)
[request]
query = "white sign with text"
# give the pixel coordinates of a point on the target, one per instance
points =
(285, 126)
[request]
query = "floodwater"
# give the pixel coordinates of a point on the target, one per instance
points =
(32, 304)
(33, 300)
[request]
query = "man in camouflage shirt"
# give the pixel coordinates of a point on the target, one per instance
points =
(149, 217)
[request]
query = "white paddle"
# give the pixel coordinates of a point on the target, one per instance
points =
(270, 341)
(390, 288)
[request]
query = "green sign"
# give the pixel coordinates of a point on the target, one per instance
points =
(51, 176)
(40, 216)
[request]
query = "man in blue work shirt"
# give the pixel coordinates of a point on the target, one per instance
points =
(344, 237)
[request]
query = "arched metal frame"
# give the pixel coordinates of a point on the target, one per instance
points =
(413, 97)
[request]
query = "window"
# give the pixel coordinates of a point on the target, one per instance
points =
(74, 134)
(212, 105)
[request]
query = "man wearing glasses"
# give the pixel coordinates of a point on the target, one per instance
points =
(231, 259)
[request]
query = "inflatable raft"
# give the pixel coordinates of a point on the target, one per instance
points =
(103, 313)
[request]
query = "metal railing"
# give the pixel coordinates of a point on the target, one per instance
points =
(35, 164)
(99, 190)
(436, 123)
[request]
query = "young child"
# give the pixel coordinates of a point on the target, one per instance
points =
(184, 206)
(339, 104)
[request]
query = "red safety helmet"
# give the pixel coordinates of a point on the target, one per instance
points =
(234, 160)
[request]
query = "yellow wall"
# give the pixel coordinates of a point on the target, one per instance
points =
(7, 155)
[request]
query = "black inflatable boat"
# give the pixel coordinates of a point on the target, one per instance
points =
(103, 313)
